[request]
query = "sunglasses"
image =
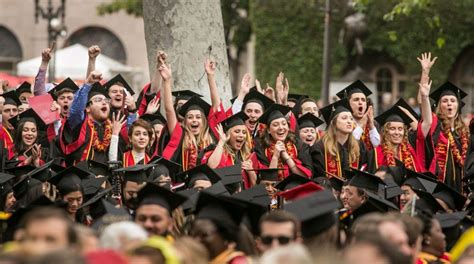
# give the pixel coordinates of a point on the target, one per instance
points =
(282, 240)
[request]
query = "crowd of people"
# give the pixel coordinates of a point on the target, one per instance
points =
(89, 174)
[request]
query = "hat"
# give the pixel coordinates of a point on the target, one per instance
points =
(195, 103)
(394, 114)
(316, 212)
(230, 174)
(234, 120)
(154, 119)
(426, 202)
(158, 163)
(391, 189)
(448, 88)
(28, 115)
(25, 87)
(217, 189)
(292, 97)
(309, 120)
(184, 94)
(42, 173)
(92, 186)
(11, 98)
(201, 172)
(291, 181)
(451, 197)
(330, 111)
(154, 194)
(192, 196)
(119, 80)
(420, 181)
(97, 89)
(137, 173)
(21, 187)
(267, 174)
(69, 179)
(220, 209)
(300, 191)
(255, 96)
(96, 198)
(5, 184)
(402, 103)
(105, 213)
(364, 180)
(355, 87)
(275, 111)
(374, 203)
(19, 171)
(66, 84)
(336, 182)
(94, 167)
(257, 194)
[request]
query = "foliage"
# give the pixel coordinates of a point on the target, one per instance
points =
(132, 7)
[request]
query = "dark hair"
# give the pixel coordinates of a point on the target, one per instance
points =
(48, 212)
(3, 200)
(300, 105)
(280, 216)
(141, 123)
(267, 140)
(20, 147)
(427, 220)
(62, 91)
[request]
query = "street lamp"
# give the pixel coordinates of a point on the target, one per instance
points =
(55, 28)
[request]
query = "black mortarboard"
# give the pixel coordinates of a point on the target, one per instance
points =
(291, 181)
(448, 89)
(355, 87)
(66, 84)
(97, 89)
(96, 198)
(25, 87)
(221, 209)
(19, 171)
(420, 181)
(296, 97)
(184, 94)
(330, 111)
(217, 189)
(137, 173)
(257, 194)
(364, 180)
(451, 197)
(374, 203)
(195, 103)
(391, 189)
(275, 111)
(394, 114)
(91, 186)
(402, 103)
(5, 184)
(255, 96)
(69, 179)
(106, 213)
(316, 212)
(29, 115)
(192, 196)
(230, 175)
(426, 202)
(154, 194)
(337, 183)
(201, 172)
(309, 120)
(452, 226)
(22, 186)
(11, 98)
(119, 80)
(42, 173)
(154, 119)
(267, 174)
(160, 165)
(234, 120)
(94, 167)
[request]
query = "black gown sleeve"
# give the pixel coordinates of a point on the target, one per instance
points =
(317, 157)
(304, 155)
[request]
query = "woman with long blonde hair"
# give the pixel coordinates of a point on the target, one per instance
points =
(338, 150)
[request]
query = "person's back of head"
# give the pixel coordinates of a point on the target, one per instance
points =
(122, 235)
(373, 249)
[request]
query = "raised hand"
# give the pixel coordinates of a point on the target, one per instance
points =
(165, 72)
(270, 92)
(223, 138)
(153, 106)
(94, 76)
(245, 84)
(259, 86)
(247, 165)
(279, 86)
(210, 66)
(425, 88)
(426, 62)
(279, 149)
(46, 55)
(161, 58)
(370, 116)
(94, 51)
(118, 120)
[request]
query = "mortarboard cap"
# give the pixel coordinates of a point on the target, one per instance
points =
(337, 182)
(192, 196)
(230, 175)
(300, 191)
(20, 170)
(451, 197)
(402, 103)
(11, 98)
(364, 180)
(420, 181)
(391, 189)
(154, 194)
(234, 120)
(119, 80)
(221, 209)
(21, 187)
(91, 186)
(137, 173)
(255, 96)
(28, 115)
(291, 181)
(66, 84)
(374, 203)
(101, 194)
(69, 179)
(201, 172)
(330, 111)
(275, 111)
(195, 103)
(42, 173)
(94, 167)
(97, 89)
(5, 184)
(355, 87)
(296, 97)
(109, 214)
(154, 119)
(426, 202)
(161, 166)
(25, 87)
(184, 94)
(316, 212)
(309, 120)
(394, 114)
(448, 220)
(448, 88)
(268, 174)
(257, 194)
(217, 189)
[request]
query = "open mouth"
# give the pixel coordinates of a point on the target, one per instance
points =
(308, 140)
(65, 108)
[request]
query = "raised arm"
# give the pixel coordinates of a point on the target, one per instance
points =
(156, 81)
(39, 87)
(94, 51)
(210, 67)
(424, 91)
(426, 64)
(243, 91)
(165, 73)
(281, 89)
(79, 103)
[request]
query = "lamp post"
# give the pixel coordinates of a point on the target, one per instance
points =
(56, 27)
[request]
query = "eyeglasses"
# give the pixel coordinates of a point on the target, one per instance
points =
(282, 240)
(100, 100)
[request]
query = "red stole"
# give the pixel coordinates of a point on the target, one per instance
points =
(226, 159)
(333, 164)
(8, 142)
(382, 161)
(365, 138)
(128, 159)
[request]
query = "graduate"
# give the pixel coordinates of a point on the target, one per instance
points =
(308, 130)
(10, 110)
(338, 150)
(158, 124)
(7, 196)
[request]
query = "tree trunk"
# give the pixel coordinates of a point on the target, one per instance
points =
(185, 29)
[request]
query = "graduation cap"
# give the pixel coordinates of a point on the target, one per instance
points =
(300, 191)
(92, 186)
(222, 209)
(94, 167)
(420, 181)
(234, 120)
(217, 189)
(402, 103)
(364, 180)
(426, 202)
(109, 214)
(21, 187)
(137, 173)
(160, 166)
(42, 173)
(230, 174)
(330, 111)
(448, 88)
(28, 115)
(97, 89)
(192, 196)
(355, 87)
(391, 189)
(451, 197)
(316, 212)
(19, 171)
(394, 114)
(96, 198)
(374, 203)
(184, 94)
(69, 179)
(119, 80)
(201, 172)
(25, 87)
(5, 184)
(309, 120)
(156, 195)
(267, 174)
(154, 119)
(337, 183)
(195, 103)
(291, 181)
(66, 84)
(257, 194)
(451, 226)
(11, 98)
(275, 111)
(255, 96)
